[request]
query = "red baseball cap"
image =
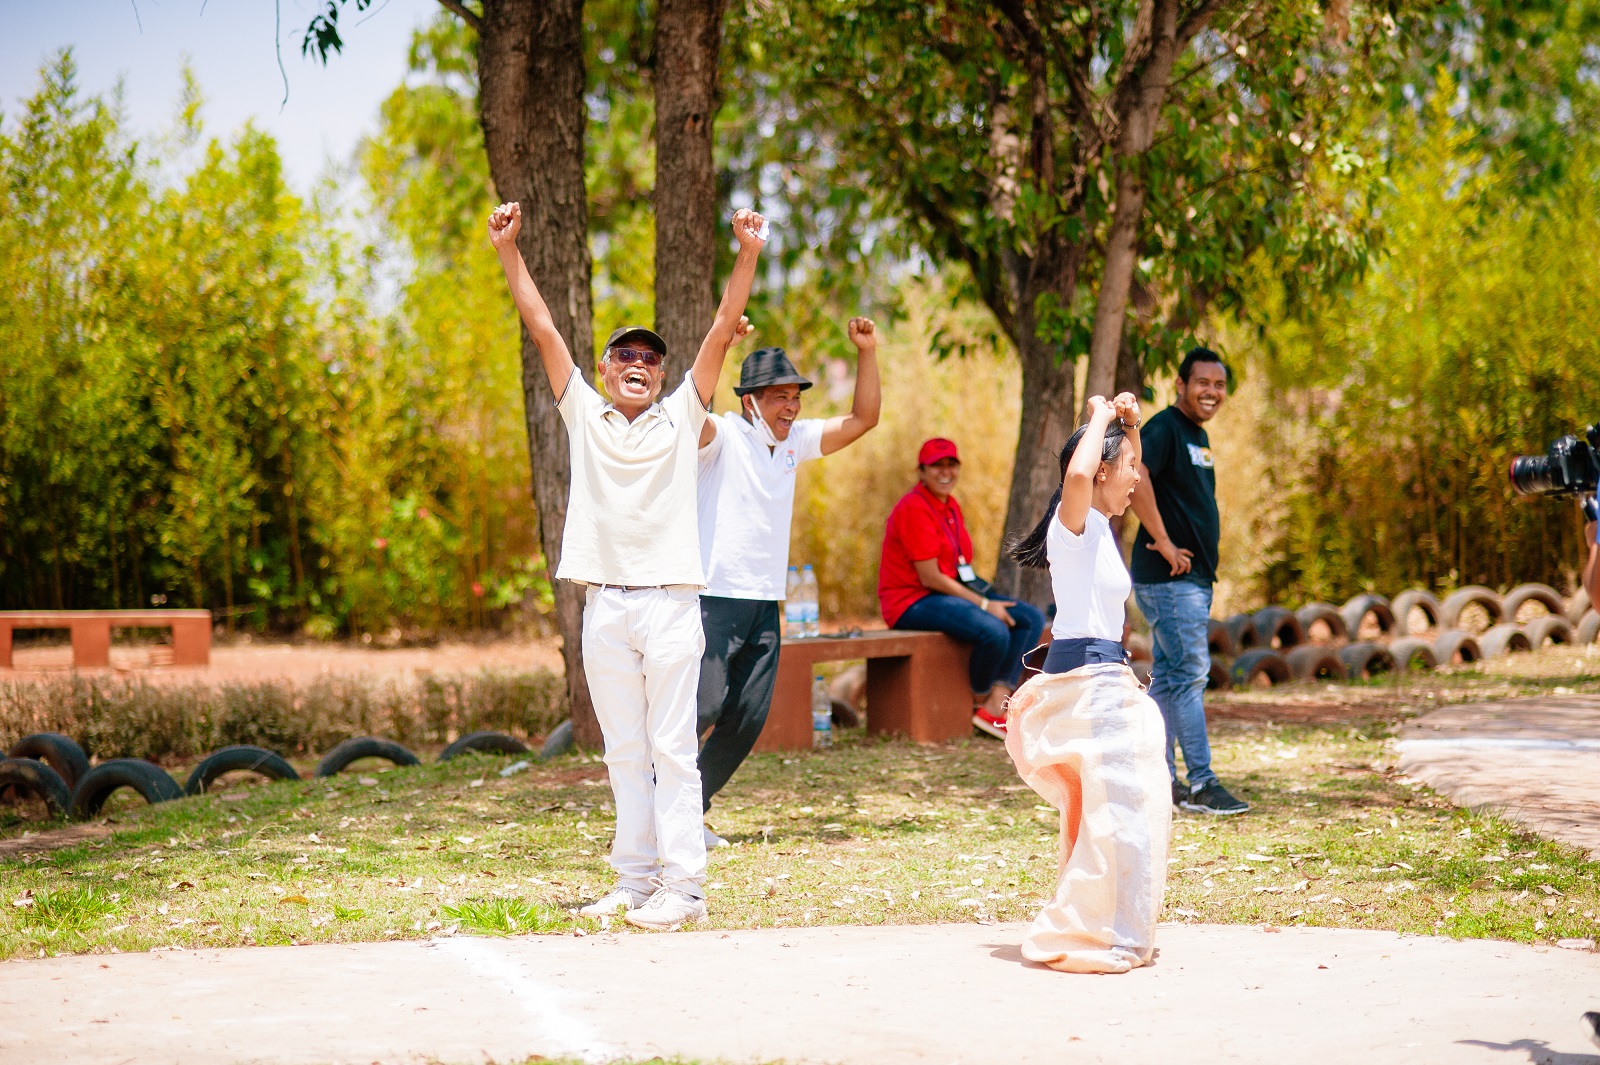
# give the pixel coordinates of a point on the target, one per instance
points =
(936, 449)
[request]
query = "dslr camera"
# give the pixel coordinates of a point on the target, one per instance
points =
(1571, 467)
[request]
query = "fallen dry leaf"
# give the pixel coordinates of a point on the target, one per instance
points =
(298, 900)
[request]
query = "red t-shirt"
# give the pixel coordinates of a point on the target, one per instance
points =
(919, 527)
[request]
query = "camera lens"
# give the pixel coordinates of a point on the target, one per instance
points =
(1534, 475)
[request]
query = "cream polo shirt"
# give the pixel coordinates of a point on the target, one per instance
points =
(631, 506)
(746, 503)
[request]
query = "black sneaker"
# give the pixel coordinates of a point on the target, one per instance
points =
(1180, 792)
(1591, 1025)
(1213, 799)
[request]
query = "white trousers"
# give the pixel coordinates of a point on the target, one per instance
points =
(641, 651)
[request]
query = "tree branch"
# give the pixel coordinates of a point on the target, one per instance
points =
(466, 13)
(1200, 16)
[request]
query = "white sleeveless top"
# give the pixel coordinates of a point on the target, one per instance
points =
(1090, 581)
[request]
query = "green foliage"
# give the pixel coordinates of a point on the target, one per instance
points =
(985, 137)
(1396, 411)
(205, 404)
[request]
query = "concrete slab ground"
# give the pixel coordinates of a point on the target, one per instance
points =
(1533, 760)
(875, 996)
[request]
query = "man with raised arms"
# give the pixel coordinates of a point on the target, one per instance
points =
(747, 476)
(631, 538)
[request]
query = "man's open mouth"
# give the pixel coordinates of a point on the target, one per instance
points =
(636, 379)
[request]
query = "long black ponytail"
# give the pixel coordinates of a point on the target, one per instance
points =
(1030, 550)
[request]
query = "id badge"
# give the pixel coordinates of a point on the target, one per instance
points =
(965, 572)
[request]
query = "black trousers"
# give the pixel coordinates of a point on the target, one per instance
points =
(738, 672)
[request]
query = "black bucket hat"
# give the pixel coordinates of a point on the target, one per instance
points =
(768, 366)
(631, 332)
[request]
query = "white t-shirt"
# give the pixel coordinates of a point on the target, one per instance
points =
(746, 503)
(1091, 583)
(631, 507)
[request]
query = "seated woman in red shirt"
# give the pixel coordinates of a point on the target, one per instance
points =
(926, 556)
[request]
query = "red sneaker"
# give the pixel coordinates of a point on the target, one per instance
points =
(986, 722)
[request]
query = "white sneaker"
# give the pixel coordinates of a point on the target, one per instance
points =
(618, 898)
(667, 911)
(714, 842)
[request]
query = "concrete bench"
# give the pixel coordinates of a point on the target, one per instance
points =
(916, 686)
(91, 632)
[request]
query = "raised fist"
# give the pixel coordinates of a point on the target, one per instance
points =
(505, 222)
(743, 329)
(747, 229)
(1100, 407)
(1126, 407)
(863, 334)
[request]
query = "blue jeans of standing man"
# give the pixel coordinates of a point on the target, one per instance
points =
(1179, 614)
(997, 650)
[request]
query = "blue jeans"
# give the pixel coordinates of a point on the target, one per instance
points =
(1179, 614)
(996, 650)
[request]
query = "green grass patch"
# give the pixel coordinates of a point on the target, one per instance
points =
(504, 917)
(869, 832)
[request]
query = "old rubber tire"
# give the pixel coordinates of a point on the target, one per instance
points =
(1410, 600)
(558, 742)
(1502, 640)
(1278, 628)
(1325, 613)
(1552, 628)
(29, 775)
(1219, 641)
(1356, 610)
(242, 758)
(1242, 630)
(1219, 678)
(484, 743)
(1453, 643)
(1577, 606)
(1588, 629)
(1532, 592)
(1458, 600)
(1316, 662)
(363, 747)
(1412, 653)
(1366, 660)
(152, 783)
(1260, 662)
(62, 752)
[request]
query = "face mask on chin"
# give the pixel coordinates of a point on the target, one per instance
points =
(763, 430)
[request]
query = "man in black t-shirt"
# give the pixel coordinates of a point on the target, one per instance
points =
(1174, 567)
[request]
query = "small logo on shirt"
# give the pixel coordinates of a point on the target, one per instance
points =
(1201, 456)
(788, 460)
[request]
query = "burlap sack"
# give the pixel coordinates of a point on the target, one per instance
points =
(1092, 743)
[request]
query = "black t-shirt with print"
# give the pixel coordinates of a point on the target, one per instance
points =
(1177, 453)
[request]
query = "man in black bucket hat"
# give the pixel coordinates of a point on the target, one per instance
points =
(747, 475)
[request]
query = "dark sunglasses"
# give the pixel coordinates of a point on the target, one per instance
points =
(629, 356)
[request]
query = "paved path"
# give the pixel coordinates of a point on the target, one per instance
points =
(1534, 760)
(875, 996)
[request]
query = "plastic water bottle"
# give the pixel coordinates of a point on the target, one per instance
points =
(812, 600)
(794, 611)
(821, 713)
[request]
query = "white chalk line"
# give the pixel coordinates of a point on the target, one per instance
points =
(544, 1003)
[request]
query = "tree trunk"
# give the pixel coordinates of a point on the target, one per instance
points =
(1138, 104)
(530, 69)
(688, 42)
(1047, 405)
(1122, 255)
